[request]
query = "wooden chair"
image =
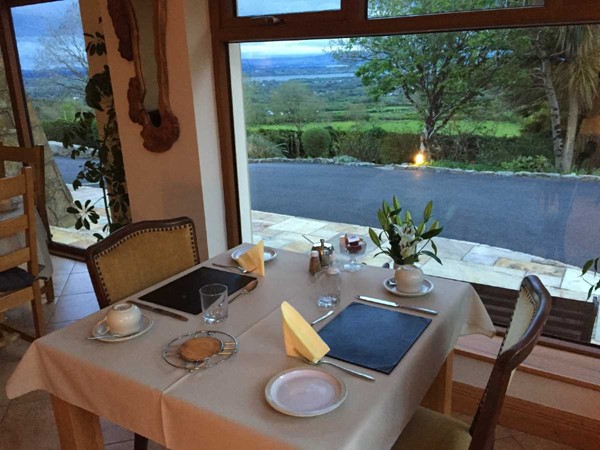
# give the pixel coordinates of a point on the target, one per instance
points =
(32, 157)
(431, 430)
(21, 185)
(137, 256)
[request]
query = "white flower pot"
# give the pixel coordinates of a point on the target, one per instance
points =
(409, 278)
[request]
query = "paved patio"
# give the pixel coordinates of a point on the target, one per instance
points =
(462, 260)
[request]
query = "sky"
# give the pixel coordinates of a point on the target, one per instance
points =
(31, 23)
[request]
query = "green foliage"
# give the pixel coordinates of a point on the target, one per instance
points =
(316, 142)
(344, 159)
(528, 164)
(398, 148)
(403, 235)
(294, 103)
(363, 145)
(56, 129)
(259, 147)
(591, 264)
(106, 164)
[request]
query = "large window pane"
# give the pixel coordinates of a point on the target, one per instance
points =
(333, 128)
(55, 72)
(398, 8)
(260, 8)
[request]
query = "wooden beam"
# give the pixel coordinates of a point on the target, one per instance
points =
(439, 396)
(78, 429)
(14, 77)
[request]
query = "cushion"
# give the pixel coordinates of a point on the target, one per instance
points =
(15, 279)
(430, 430)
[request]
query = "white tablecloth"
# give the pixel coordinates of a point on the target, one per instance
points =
(225, 407)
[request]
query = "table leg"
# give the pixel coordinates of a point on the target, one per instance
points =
(78, 429)
(439, 396)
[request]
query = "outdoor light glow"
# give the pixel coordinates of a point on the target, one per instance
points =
(419, 159)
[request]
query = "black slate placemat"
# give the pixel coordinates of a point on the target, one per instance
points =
(183, 293)
(372, 337)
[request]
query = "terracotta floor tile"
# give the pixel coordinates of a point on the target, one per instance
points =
(29, 426)
(3, 409)
(508, 443)
(74, 307)
(530, 442)
(114, 433)
(79, 267)
(78, 283)
(127, 445)
(6, 370)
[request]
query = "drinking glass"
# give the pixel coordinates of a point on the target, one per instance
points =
(214, 300)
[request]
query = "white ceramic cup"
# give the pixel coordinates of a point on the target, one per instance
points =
(124, 319)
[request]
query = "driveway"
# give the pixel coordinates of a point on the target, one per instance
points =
(555, 219)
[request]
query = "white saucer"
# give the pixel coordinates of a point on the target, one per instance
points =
(270, 253)
(101, 333)
(426, 288)
(305, 392)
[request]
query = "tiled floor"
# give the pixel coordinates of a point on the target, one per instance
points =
(27, 423)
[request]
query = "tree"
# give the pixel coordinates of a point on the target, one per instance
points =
(296, 103)
(439, 74)
(63, 51)
(569, 66)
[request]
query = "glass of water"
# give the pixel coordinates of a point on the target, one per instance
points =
(214, 300)
(328, 287)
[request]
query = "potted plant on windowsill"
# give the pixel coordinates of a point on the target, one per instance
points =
(405, 241)
(591, 264)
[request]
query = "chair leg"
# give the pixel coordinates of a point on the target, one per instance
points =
(38, 311)
(49, 290)
(140, 442)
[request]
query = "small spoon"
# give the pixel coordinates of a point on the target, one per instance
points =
(228, 266)
(323, 317)
(245, 290)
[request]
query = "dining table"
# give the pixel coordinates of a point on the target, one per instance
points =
(224, 406)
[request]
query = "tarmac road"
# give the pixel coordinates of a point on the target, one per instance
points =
(551, 218)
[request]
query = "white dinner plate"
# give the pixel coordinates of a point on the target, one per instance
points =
(270, 253)
(305, 392)
(426, 288)
(101, 332)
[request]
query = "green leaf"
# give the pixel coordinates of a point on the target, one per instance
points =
(587, 266)
(374, 237)
(396, 203)
(427, 212)
(431, 233)
(383, 220)
(432, 255)
(434, 247)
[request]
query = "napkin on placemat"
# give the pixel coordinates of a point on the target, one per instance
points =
(299, 336)
(184, 293)
(254, 259)
(372, 337)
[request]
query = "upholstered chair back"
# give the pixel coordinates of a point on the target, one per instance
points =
(530, 314)
(140, 255)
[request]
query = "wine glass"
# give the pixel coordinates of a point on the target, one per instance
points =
(355, 247)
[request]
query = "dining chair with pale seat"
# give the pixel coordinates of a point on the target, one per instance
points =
(20, 286)
(138, 256)
(32, 157)
(430, 430)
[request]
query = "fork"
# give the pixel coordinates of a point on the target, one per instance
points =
(227, 266)
(345, 369)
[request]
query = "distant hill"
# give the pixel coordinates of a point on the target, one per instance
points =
(322, 63)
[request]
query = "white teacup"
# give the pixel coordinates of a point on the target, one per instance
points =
(124, 319)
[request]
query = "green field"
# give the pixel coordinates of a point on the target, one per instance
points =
(483, 128)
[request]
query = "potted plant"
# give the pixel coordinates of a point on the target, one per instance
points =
(592, 263)
(405, 241)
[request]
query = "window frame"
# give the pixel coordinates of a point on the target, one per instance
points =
(350, 21)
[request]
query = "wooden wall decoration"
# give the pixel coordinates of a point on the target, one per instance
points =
(160, 127)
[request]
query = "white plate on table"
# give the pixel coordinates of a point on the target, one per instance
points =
(101, 333)
(270, 253)
(305, 392)
(426, 288)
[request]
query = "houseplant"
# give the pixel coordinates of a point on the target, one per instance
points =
(592, 263)
(405, 241)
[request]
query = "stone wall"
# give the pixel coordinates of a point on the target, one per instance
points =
(58, 197)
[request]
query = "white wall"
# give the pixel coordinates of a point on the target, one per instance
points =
(185, 180)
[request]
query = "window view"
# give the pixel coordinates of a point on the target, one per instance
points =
(260, 8)
(499, 129)
(54, 64)
(398, 8)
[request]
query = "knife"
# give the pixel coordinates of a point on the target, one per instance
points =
(397, 305)
(164, 312)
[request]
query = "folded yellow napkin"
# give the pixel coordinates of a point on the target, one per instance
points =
(300, 337)
(254, 259)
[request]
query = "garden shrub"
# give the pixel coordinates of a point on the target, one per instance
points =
(360, 144)
(398, 148)
(316, 142)
(260, 147)
(55, 131)
(537, 163)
